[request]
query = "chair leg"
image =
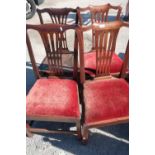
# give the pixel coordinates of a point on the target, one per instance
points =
(85, 134)
(78, 126)
(28, 132)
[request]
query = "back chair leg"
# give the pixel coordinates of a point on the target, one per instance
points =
(28, 132)
(78, 126)
(85, 134)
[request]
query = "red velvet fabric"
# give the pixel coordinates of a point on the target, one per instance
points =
(90, 62)
(106, 99)
(53, 97)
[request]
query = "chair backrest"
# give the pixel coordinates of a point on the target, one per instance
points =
(57, 15)
(99, 14)
(105, 43)
(52, 37)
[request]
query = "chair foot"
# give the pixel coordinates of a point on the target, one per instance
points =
(85, 134)
(28, 132)
(84, 141)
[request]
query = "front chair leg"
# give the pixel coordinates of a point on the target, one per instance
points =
(78, 126)
(85, 134)
(28, 132)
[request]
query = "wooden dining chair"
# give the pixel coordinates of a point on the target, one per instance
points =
(106, 98)
(57, 16)
(53, 97)
(100, 14)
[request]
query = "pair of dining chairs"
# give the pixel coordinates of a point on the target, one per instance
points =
(59, 91)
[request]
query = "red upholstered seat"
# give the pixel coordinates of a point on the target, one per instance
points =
(53, 97)
(106, 99)
(90, 62)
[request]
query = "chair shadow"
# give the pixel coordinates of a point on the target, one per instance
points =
(99, 143)
(120, 131)
(121, 55)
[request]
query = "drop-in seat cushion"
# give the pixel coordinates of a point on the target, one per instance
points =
(106, 99)
(53, 97)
